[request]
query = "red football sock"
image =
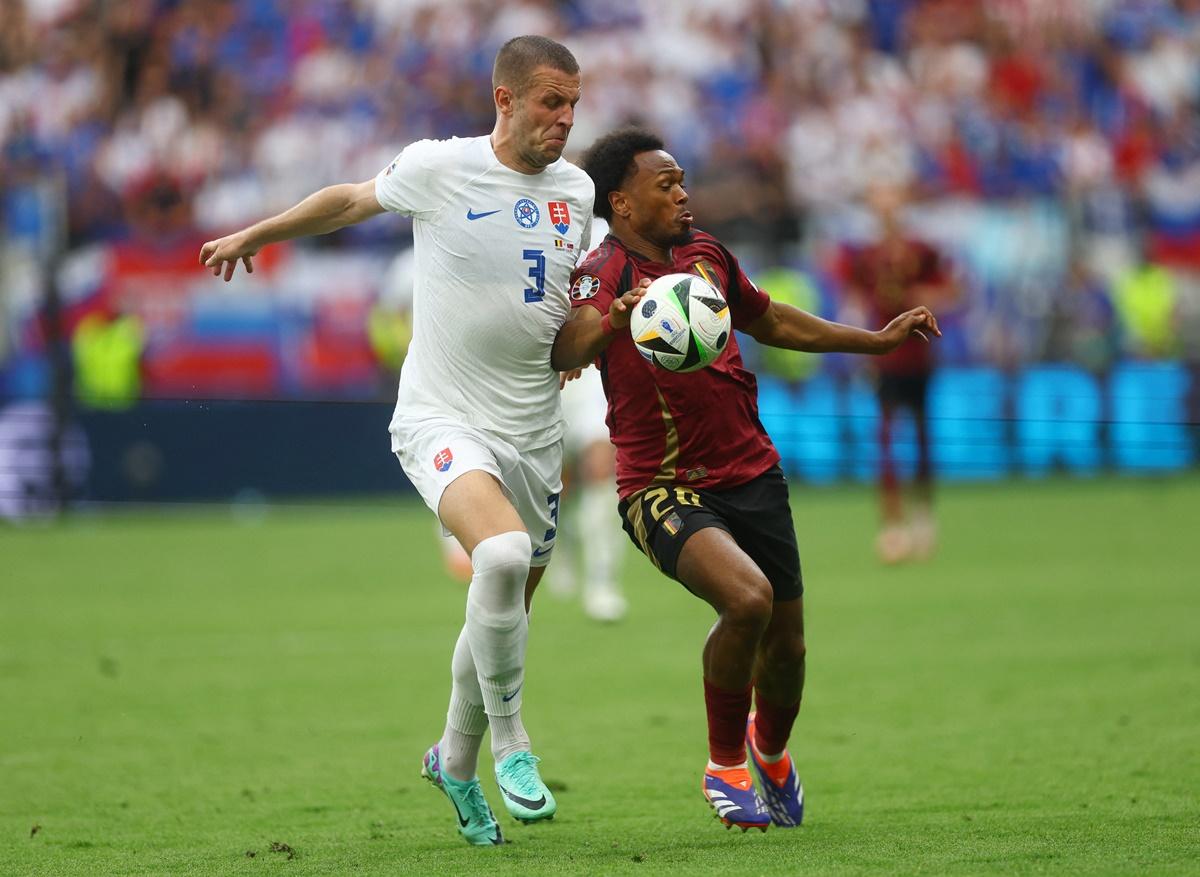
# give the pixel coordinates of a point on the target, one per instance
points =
(727, 714)
(772, 724)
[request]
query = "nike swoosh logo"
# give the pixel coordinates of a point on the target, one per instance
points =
(509, 697)
(472, 215)
(461, 821)
(524, 802)
(543, 551)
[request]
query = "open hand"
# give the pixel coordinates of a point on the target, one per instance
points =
(917, 322)
(223, 255)
(621, 308)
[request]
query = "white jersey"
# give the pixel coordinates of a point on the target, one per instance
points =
(494, 253)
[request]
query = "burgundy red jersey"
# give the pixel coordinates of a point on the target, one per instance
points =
(891, 277)
(702, 428)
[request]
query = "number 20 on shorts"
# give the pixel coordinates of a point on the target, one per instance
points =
(659, 495)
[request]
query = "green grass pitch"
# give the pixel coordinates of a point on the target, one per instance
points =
(181, 691)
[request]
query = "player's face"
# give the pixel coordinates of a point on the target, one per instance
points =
(544, 114)
(658, 201)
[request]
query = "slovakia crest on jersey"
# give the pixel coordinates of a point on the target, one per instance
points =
(526, 213)
(560, 215)
(442, 460)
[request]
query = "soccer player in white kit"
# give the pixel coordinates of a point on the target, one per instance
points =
(498, 223)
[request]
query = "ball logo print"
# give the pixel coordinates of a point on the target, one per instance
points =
(443, 459)
(560, 215)
(672, 329)
(526, 213)
(683, 323)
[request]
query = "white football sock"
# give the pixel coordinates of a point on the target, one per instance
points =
(508, 736)
(497, 631)
(712, 765)
(466, 719)
(769, 759)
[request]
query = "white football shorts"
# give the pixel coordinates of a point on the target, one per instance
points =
(434, 451)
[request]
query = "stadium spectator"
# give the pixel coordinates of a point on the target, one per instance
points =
(785, 114)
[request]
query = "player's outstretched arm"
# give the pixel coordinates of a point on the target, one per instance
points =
(328, 210)
(582, 337)
(789, 327)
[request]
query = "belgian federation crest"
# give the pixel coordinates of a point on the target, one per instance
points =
(443, 459)
(560, 215)
(526, 213)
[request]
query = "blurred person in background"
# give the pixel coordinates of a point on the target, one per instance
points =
(701, 489)
(889, 277)
(499, 223)
(593, 545)
(1145, 300)
(1083, 325)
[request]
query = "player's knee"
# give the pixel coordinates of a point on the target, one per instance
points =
(496, 597)
(751, 604)
(505, 556)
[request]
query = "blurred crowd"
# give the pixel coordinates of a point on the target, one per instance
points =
(1050, 147)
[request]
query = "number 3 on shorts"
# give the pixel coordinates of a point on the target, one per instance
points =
(552, 502)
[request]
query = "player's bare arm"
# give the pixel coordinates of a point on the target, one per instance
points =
(789, 327)
(582, 338)
(324, 211)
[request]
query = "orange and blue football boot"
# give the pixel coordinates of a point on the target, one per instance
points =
(778, 782)
(730, 793)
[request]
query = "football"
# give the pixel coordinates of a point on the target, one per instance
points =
(681, 324)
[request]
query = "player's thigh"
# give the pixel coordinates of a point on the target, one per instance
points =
(715, 568)
(760, 516)
(458, 476)
(475, 507)
(533, 479)
(692, 544)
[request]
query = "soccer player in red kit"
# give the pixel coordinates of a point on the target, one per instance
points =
(889, 276)
(701, 490)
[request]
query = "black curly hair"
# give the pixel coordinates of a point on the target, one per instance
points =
(609, 162)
